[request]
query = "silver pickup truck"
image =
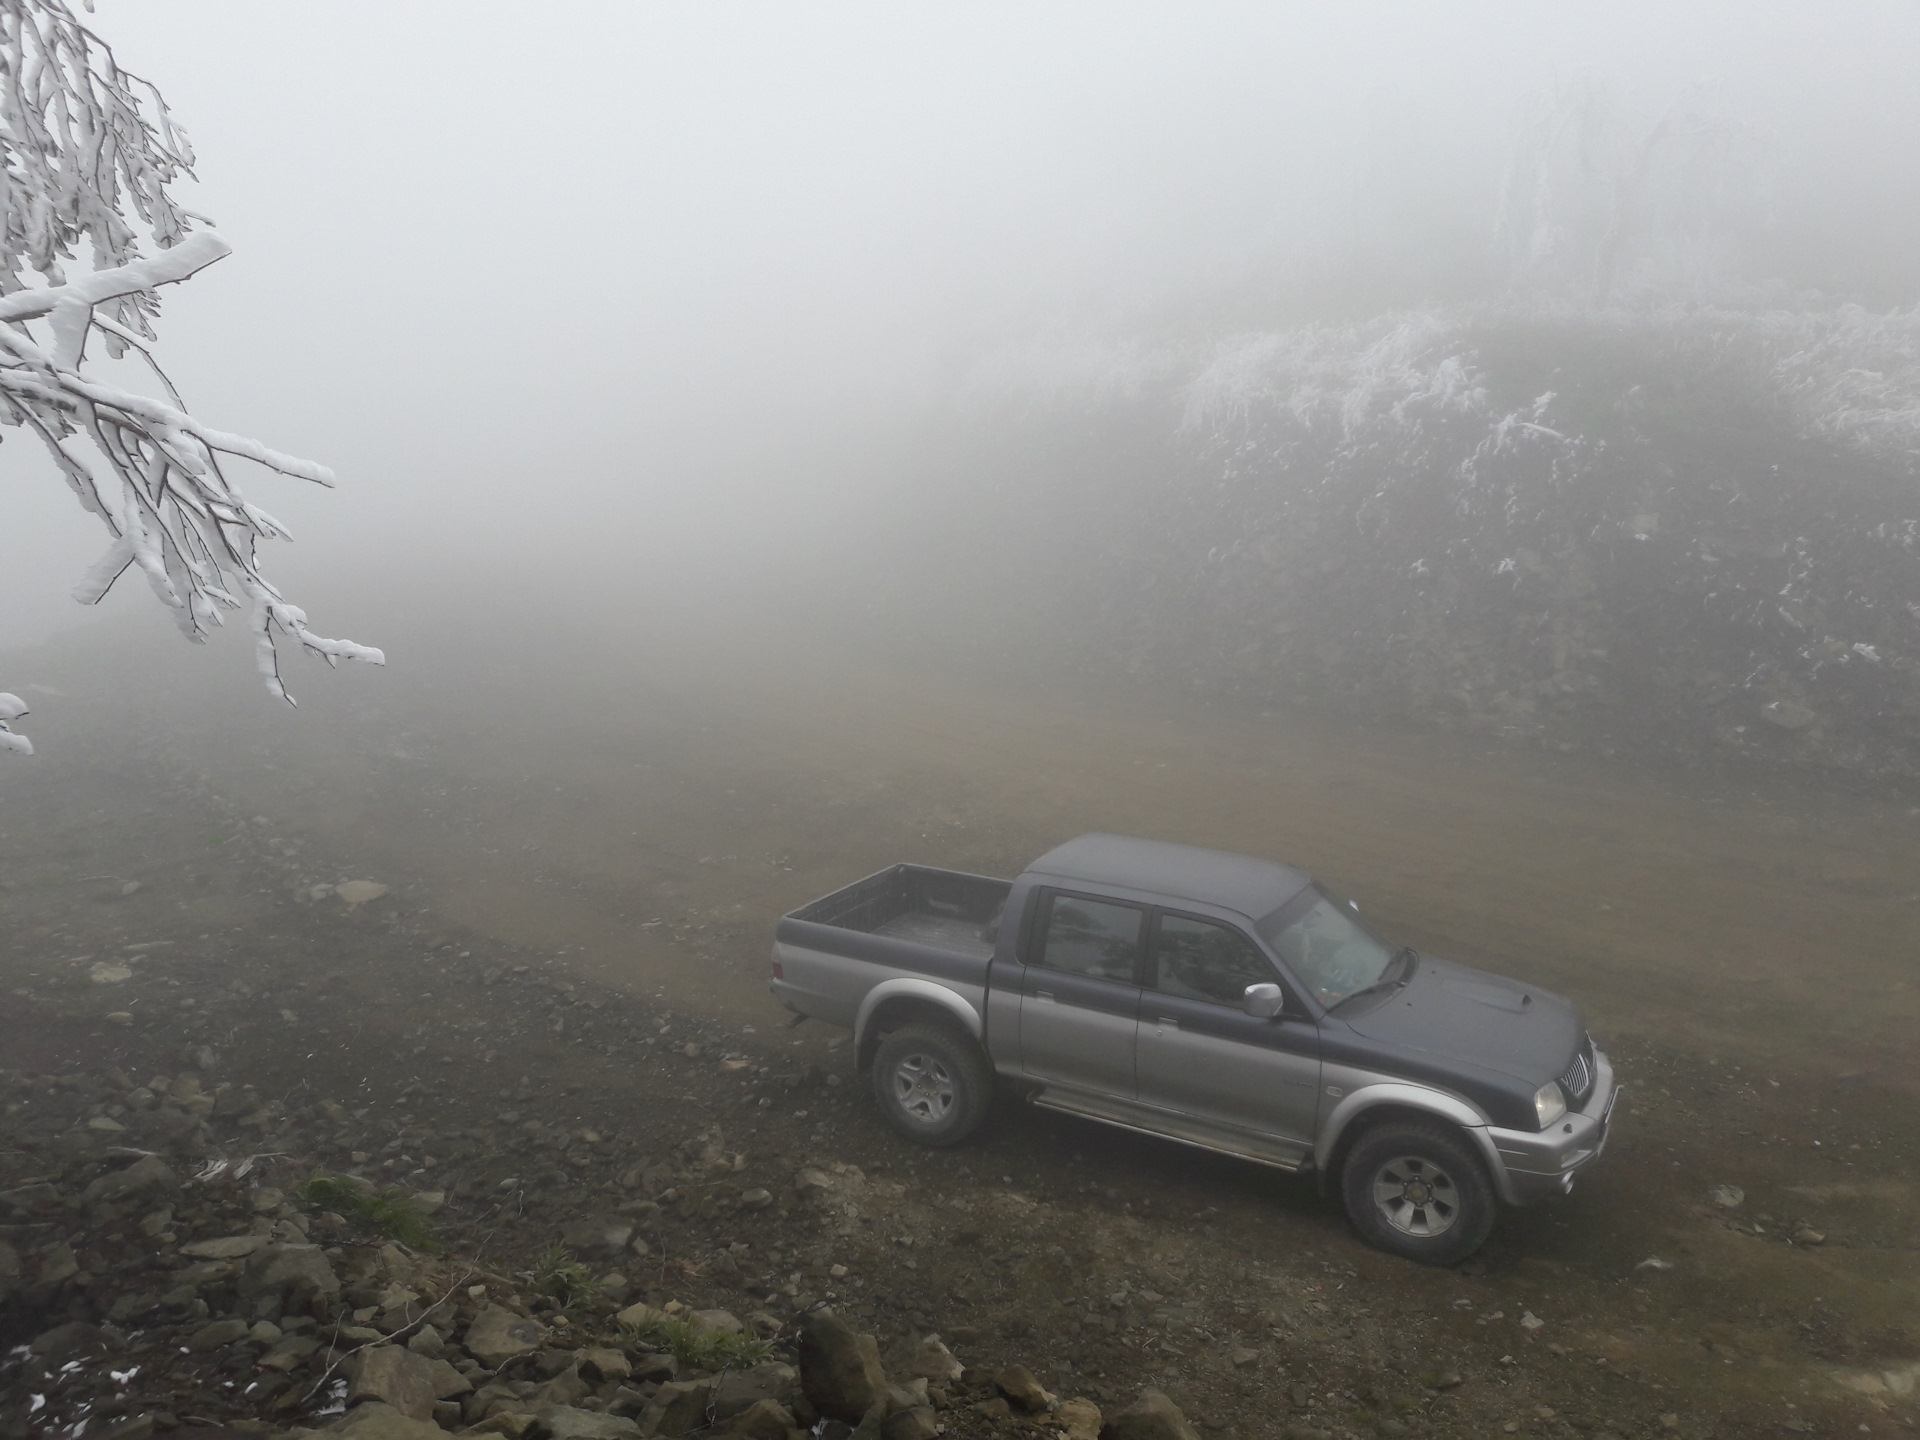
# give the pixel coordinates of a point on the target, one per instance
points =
(1215, 999)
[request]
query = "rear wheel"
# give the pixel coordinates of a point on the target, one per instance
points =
(933, 1085)
(1417, 1189)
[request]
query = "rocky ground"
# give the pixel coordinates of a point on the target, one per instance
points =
(545, 1203)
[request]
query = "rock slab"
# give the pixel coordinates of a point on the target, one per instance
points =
(1152, 1417)
(762, 1420)
(603, 1364)
(149, 1172)
(1080, 1419)
(216, 1333)
(227, 1247)
(737, 1391)
(932, 1361)
(397, 1377)
(918, 1423)
(496, 1335)
(564, 1422)
(678, 1407)
(297, 1274)
(1016, 1382)
(383, 1422)
(840, 1372)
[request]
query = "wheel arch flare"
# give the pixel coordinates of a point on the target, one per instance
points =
(1398, 1100)
(902, 999)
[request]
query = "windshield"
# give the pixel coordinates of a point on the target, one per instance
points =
(1323, 943)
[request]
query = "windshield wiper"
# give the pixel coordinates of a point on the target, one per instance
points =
(1383, 983)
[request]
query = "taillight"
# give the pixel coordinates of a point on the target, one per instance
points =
(778, 972)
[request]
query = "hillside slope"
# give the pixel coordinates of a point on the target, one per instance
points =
(1697, 530)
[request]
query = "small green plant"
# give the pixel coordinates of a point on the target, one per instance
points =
(698, 1347)
(565, 1279)
(391, 1213)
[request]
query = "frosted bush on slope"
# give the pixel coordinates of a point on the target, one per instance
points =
(90, 151)
(1853, 375)
(1695, 523)
(1349, 374)
(1847, 374)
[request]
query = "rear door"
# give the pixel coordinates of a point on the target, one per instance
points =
(1232, 1078)
(1080, 992)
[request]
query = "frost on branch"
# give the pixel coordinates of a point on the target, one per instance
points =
(90, 151)
(11, 709)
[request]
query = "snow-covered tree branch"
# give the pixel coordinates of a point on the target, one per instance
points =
(11, 709)
(89, 153)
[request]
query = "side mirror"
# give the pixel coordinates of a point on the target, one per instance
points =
(1263, 1002)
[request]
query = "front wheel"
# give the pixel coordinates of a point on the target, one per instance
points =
(1419, 1191)
(933, 1086)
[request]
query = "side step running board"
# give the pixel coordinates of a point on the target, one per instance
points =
(1089, 1108)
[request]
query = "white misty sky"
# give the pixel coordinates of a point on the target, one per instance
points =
(586, 275)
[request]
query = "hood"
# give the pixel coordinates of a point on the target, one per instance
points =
(1489, 1022)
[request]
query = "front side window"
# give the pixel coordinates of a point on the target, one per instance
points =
(1324, 944)
(1097, 938)
(1199, 960)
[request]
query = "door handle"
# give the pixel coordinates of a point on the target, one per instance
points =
(1046, 995)
(1166, 1022)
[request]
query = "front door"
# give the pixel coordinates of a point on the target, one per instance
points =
(1226, 1076)
(1080, 993)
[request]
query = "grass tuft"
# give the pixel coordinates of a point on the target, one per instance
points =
(699, 1347)
(390, 1213)
(565, 1279)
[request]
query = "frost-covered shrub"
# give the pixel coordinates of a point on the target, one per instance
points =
(1687, 526)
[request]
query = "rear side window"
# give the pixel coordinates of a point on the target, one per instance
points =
(1200, 960)
(1098, 938)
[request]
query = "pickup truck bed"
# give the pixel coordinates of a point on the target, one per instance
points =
(942, 909)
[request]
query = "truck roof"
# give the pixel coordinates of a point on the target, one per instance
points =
(1214, 877)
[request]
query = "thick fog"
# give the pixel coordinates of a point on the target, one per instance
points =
(576, 295)
(1467, 451)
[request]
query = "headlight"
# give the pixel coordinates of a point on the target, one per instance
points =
(1548, 1103)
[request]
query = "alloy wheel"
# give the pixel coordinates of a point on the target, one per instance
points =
(923, 1088)
(1416, 1196)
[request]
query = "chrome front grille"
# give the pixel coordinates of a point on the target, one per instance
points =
(1578, 1081)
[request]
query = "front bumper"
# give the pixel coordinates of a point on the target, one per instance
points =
(1537, 1163)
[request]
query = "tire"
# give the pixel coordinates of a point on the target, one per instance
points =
(1417, 1190)
(932, 1084)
